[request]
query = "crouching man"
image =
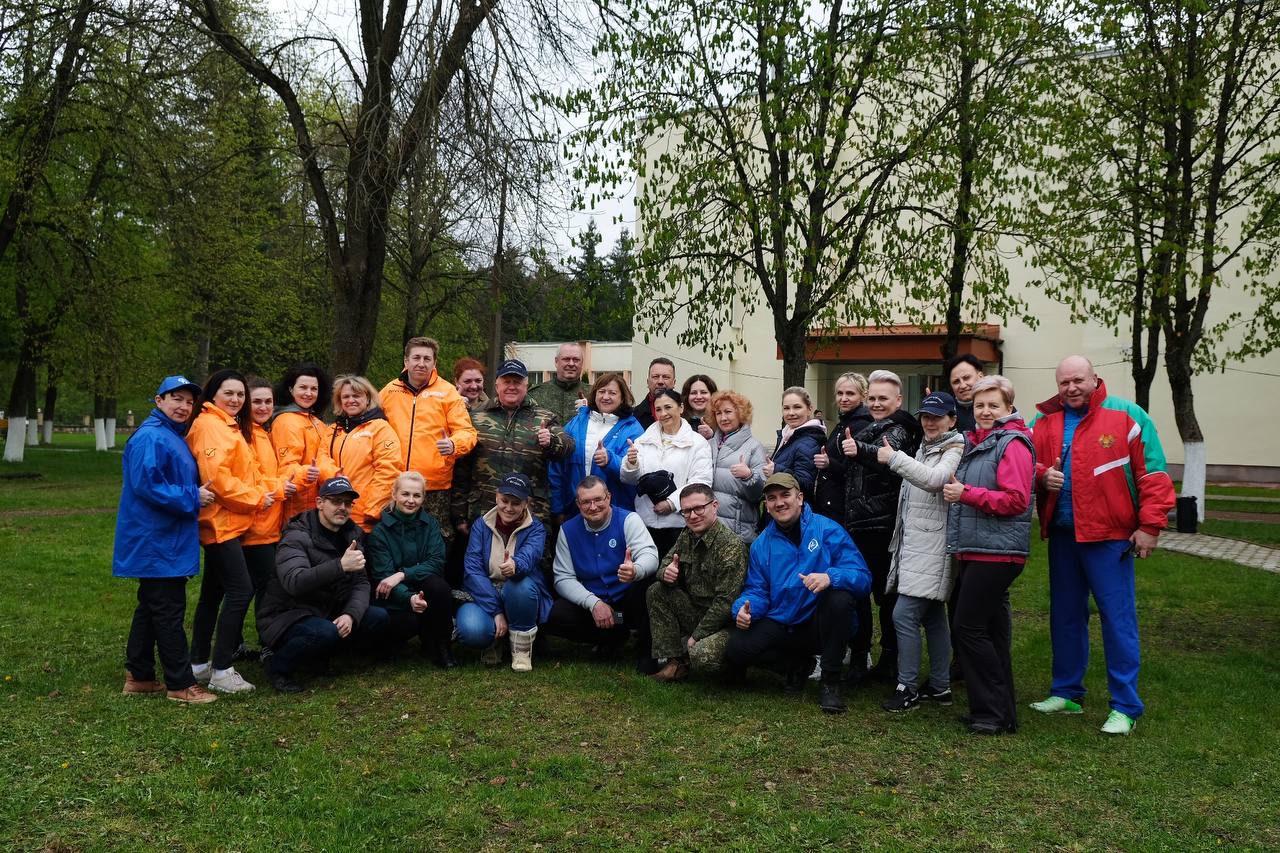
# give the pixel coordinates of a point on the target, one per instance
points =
(690, 607)
(319, 596)
(803, 576)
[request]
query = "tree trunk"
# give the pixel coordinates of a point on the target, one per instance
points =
(50, 402)
(792, 336)
(495, 286)
(1144, 357)
(962, 227)
(110, 412)
(15, 442)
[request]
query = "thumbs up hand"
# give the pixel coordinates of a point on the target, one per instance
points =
(206, 494)
(1053, 477)
(601, 456)
(821, 460)
(743, 619)
(313, 474)
(884, 453)
(672, 571)
(267, 500)
(741, 469)
(353, 559)
(627, 569)
(580, 402)
(849, 446)
(445, 444)
(768, 468)
(952, 491)
(544, 433)
(508, 565)
(290, 488)
(633, 455)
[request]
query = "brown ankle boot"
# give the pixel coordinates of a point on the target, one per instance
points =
(138, 687)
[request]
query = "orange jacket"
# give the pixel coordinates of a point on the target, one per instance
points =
(296, 436)
(369, 456)
(267, 523)
(421, 420)
(227, 464)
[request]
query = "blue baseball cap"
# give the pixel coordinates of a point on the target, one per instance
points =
(513, 367)
(939, 403)
(335, 486)
(516, 485)
(177, 383)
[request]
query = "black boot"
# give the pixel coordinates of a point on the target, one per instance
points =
(830, 696)
(443, 656)
(795, 680)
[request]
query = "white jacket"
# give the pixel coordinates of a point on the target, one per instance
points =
(921, 566)
(686, 455)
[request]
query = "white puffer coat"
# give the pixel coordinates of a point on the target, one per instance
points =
(686, 455)
(921, 566)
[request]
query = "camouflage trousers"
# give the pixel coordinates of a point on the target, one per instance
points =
(436, 502)
(672, 618)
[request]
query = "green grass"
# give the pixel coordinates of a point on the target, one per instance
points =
(1238, 491)
(1261, 532)
(584, 754)
(1228, 505)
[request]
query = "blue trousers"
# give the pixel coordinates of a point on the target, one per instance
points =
(314, 638)
(520, 604)
(1104, 569)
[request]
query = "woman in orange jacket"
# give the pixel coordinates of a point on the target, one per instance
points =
(363, 446)
(297, 431)
(259, 541)
(219, 440)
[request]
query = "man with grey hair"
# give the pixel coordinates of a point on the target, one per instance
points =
(1106, 450)
(871, 511)
(566, 392)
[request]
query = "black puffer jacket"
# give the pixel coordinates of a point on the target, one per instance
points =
(309, 580)
(828, 497)
(871, 489)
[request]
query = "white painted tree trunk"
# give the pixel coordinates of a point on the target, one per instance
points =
(33, 434)
(111, 433)
(15, 443)
(1193, 473)
(48, 432)
(99, 434)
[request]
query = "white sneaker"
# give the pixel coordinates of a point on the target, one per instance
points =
(229, 681)
(816, 675)
(1118, 724)
(202, 672)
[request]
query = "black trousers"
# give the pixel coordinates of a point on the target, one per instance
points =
(225, 592)
(782, 648)
(261, 561)
(982, 638)
(576, 624)
(875, 550)
(665, 538)
(157, 627)
(433, 626)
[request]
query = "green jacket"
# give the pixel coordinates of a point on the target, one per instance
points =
(507, 442)
(712, 572)
(559, 397)
(404, 543)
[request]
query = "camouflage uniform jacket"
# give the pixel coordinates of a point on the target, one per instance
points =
(712, 572)
(507, 442)
(559, 399)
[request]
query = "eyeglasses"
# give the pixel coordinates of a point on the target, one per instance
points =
(695, 510)
(346, 503)
(590, 502)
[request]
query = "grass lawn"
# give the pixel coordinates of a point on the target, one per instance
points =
(1260, 532)
(584, 754)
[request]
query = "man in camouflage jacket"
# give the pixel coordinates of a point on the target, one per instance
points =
(690, 606)
(513, 435)
(565, 393)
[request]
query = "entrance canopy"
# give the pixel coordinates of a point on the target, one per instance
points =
(899, 343)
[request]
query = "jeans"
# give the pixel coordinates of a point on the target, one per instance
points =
(157, 626)
(982, 639)
(783, 648)
(225, 592)
(313, 639)
(1104, 569)
(519, 598)
(909, 614)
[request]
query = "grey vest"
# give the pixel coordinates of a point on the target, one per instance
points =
(972, 531)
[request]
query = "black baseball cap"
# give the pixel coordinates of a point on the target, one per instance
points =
(513, 367)
(335, 486)
(939, 403)
(516, 485)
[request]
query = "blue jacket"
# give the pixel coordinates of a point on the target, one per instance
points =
(530, 543)
(774, 567)
(156, 531)
(796, 456)
(564, 475)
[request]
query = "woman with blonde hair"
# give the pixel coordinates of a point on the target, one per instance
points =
(852, 416)
(739, 459)
(363, 446)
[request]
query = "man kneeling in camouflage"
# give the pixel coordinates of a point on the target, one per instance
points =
(689, 607)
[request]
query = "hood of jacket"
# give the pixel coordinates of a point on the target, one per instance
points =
(349, 423)
(1012, 422)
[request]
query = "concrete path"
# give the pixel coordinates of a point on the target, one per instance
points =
(1218, 548)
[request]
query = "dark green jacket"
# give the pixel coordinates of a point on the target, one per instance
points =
(404, 543)
(559, 398)
(712, 571)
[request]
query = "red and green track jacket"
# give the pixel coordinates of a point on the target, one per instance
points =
(1118, 478)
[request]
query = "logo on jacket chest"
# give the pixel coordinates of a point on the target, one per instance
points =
(1106, 440)
(813, 545)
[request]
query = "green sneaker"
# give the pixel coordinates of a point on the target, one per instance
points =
(1057, 705)
(1118, 724)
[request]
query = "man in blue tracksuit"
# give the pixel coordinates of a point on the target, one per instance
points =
(803, 577)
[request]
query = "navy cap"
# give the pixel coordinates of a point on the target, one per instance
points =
(177, 383)
(938, 403)
(335, 486)
(516, 485)
(513, 367)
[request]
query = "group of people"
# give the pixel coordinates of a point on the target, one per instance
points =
(427, 509)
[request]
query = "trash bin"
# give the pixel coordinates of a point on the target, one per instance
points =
(1188, 517)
